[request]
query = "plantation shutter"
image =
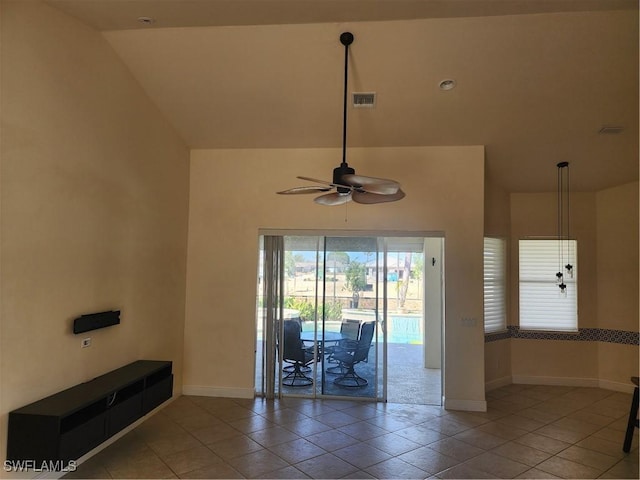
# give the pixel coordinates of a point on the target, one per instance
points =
(495, 318)
(542, 305)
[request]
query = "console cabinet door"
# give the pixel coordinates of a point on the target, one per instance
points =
(157, 393)
(81, 439)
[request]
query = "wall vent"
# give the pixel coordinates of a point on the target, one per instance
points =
(610, 130)
(364, 100)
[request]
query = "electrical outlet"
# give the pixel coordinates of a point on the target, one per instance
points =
(86, 342)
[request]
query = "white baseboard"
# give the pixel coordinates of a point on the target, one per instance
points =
(559, 381)
(228, 392)
(465, 405)
(616, 386)
(497, 383)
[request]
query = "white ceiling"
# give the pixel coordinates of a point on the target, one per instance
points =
(534, 88)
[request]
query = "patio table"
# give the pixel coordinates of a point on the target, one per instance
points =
(329, 337)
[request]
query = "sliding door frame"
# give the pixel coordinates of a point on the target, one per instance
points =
(274, 308)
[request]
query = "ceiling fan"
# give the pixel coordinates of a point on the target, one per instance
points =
(346, 184)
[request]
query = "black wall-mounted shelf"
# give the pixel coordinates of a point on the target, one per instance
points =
(94, 321)
(70, 423)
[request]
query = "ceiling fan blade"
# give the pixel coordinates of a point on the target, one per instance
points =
(315, 180)
(381, 186)
(333, 199)
(371, 198)
(365, 180)
(300, 190)
(381, 189)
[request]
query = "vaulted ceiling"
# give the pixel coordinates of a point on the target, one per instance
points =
(535, 79)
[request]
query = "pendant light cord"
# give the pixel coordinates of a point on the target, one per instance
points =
(568, 224)
(560, 236)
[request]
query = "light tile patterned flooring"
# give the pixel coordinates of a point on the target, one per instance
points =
(527, 432)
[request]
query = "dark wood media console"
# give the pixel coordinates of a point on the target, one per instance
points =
(70, 423)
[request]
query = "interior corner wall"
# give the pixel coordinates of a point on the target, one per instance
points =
(497, 223)
(94, 210)
(232, 196)
(545, 361)
(497, 211)
(617, 241)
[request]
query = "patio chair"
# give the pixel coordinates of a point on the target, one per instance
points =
(295, 353)
(349, 358)
(350, 330)
(290, 368)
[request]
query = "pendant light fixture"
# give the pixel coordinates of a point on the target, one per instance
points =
(565, 270)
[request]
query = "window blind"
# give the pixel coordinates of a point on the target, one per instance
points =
(495, 318)
(542, 305)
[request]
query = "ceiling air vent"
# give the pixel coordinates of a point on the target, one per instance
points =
(364, 100)
(610, 130)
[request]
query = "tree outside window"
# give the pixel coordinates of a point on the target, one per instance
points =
(356, 281)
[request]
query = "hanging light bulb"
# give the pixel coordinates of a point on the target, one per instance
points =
(563, 290)
(569, 269)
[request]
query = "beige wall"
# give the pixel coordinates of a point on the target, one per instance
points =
(497, 213)
(94, 191)
(617, 234)
(497, 366)
(617, 263)
(233, 195)
(554, 361)
(606, 227)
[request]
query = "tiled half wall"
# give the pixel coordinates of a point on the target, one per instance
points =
(582, 335)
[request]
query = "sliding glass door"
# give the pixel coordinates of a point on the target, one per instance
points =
(326, 305)
(349, 330)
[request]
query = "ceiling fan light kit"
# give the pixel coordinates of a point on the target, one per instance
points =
(347, 185)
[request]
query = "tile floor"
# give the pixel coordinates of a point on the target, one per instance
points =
(527, 432)
(407, 380)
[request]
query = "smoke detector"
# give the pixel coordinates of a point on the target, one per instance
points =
(146, 20)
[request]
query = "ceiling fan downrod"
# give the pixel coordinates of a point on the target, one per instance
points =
(346, 39)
